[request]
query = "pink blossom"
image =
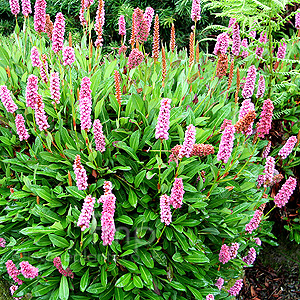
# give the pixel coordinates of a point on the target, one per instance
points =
(252, 34)
(55, 87)
(109, 203)
(163, 120)
(250, 258)
(231, 22)
(2, 242)
(269, 168)
(257, 241)
(58, 33)
(210, 297)
(247, 106)
(260, 87)
(234, 250)
(85, 104)
(40, 15)
(226, 144)
(107, 186)
(284, 194)
(85, 88)
(86, 212)
(35, 57)
(13, 272)
(88, 3)
(122, 28)
(14, 7)
(65, 272)
(99, 23)
(99, 136)
(108, 228)
(21, 129)
(6, 99)
(236, 40)
(40, 115)
(135, 58)
(281, 50)
(255, 221)
(224, 124)
(224, 255)
(196, 10)
(265, 122)
(267, 150)
(165, 209)
(297, 19)
(288, 147)
(26, 7)
(189, 141)
(44, 68)
(220, 282)
(234, 290)
(28, 271)
(13, 288)
(81, 177)
(177, 193)
(31, 91)
(81, 14)
(250, 83)
(148, 17)
(262, 40)
(122, 49)
(244, 44)
(222, 43)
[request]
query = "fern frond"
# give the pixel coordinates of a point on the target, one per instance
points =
(278, 115)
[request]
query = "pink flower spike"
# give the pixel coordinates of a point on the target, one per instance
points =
(261, 86)
(40, 15)
(165, 209)
(35, 57)
(135, 58)
(244, 44)
(210, 297)
(21, 129)
(68, 56)
(236, 39)
(26, 7)
(99, 136)
(12, 289)
(85, 104)
(255, 221)
(177, 193)
(281, 50)
(262, 40)
(108, 228)
(81, 177)
(234, 250)
(231, 22)
(2, 242)
(86, 212)
(287, 149)
(235, 289)
(44, 68)
(257, 241)
(196, 10)
(31, 91)
(163, 120)
(6, 99)
(267, 150)
(250, 83)
(224, 255)
(58, 33)
(14, 7)
(189, 141)
(286, 191)
(265, 122)
(226, 144)
(247, 106)
(88, 3)
(67, 273)
(13, 272)
(148, 17)
(28, 271)
(224, 124)
(220, 282)
(250, 258)
(297, 19)
(122, 26)
(55, 87)
(269, 168)
(99, 23)
(40, 115)
(222, 43)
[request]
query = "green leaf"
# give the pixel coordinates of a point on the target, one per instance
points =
(197, 258)
(132, 198)
(177, 286)
(139, 178)
(41, 290)
(146, 275)
(104, 275)
(119, 294)
(96, 288)
(131, 266)
(24, 288)
(125, 219)
(73, 190)
(84, 280)
(123, 280)
(64, 288)
(134, 140)
(195, 292)
(146, 258)
(59, 241)
(137, 281)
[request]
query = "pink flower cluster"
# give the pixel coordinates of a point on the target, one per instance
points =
(6, 99)
(165, 209)
(135, 58)
(99, 136)
(269, 169)
(148, 17)
(236, 39)
(44, 68)
(231, 22)
(13, 288)
(2, 242)
(177, 193)
(286, 150)
(86, 212)
(257, 241)
(40, 115)
(55, 87)
(99, 23)
(222, 43)
(163, 120)
(196, 10)
(267, 150)
(13, 272)
(26, 7)
(235, 289)
(226, 144)
(225, 254)
(297, 19)
(265, 122)
(255, 221)
(188, 143)
(28, 271)
(250, 83)
(220, 282)
(261, 86)
(21, 129)
(224, 124)
(85, 104)
(262, 39)
(31, 91)
(40, 15)
(284, 194)
(247, 106)
(68, 56)
(250, 258)
(122, 26)
(14, 7)
(281, 50)
(244, 44)
(58, 33)
(67, 273)
(35, 57)
(210, 297)
(234, 250)
(81, 177)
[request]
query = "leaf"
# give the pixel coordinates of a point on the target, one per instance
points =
(146, 275)
(195, 292)
(84, 280)
(181, 240)
(24, 288)
(58, 241)
(145, 257)
(197, 258)
(96, 288)
(123, 280)
(64, 288)
(41, 290)
(125, 219)
(134, 140)
(139, 178)
(131, 266)
(132, 198)
(177, 285)
(137, 281)
(73, 190)
(104, 275)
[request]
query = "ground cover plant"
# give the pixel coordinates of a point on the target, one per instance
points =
(134, 175)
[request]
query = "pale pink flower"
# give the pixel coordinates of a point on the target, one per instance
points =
(257, 241)
(236, 39)
(99, 136)
(80, 172)
(13, 272)
(163, 120)
(67, 273)
(40, 15)
(222, 43)
(287, 149)
(28, 271)
(262, 40)
(35, 57)
(297, 19)
(250, 258)
(210, 297)
(122, 26)
(107, 186)
(246, 106)
(21, 129)
(281, 50)
(284, 194)
(250, 83)
(165, 209)
(81, 14)
(244, 44)
(86, 212)
(226, 144)
(108, 228)
(220, 282)
(148, 17)
(255, 221)
(85, 88)
(196, 10)
(31, 93)
(26, 7)
(224, 124)
(58, 33)
(224, 255)
(177, 193)
(55, 87)
(2, 242)
(44, 68)
(6, 99)
(231, 22)
(14, 7)
(40, 115)
(265, 122)
(88, 3)
(189, 141)
(261, 86)
(85, 104)
(236, 288)
(13, 288)
(267, 150)
(269, 168)
(234, 250)
(135, 58)
(122, 49)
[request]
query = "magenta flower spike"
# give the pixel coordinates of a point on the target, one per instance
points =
(231, 22)
(269, 168)
(2, 242)
(40, 15)
(68, 56)
(67, 273)
(12, 289)
(86, 213)
(284, 194)
(224, 124)
(148, 17)
(80, 172)
(58, 33)
(99, 136)
(224, 255)
(196, 10)
(31, 93)
(226, 144)
(297, 19)
(222, 43)
(13, 272)
(189, 141)
(220, 282)
(281, 50)
(6, 99)
(287, 149)
(122, 26)
(210, 297)
(247, 106)
(262, 39)
(55, 87)
(40, 115)
(14, 7)
(236, 288)
(28, 271)
(165, 209)
(35, 57)
(244, 44)
(257, 241)
(44, 68)
(261, 87)
(267, 150)
(250, 258)
(99, 23)
(265, 122)
(85, 104)
(135, 58)
(26, 8)
(21, 129)
(108, 228)
(177, 193)
(236, 39)
(250, 83)
(163, 120)
(234, 250)
(254, 222)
